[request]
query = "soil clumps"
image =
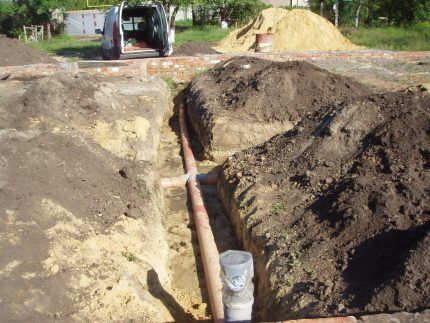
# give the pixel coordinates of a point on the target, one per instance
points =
(194, 49)
(245, 101)
(13, 53)
(81, 229)
(336, 210)
(293, 31)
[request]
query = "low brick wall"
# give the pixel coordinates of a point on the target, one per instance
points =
(184, 68)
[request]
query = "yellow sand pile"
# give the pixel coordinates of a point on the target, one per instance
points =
(293, 30)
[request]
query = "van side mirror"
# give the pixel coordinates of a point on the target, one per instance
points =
(99, 31)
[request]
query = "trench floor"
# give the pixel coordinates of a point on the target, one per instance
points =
(187, 281)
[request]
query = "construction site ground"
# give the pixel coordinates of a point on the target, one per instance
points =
(86, 230)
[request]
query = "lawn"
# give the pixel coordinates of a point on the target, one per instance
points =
(415, 38)
(70, 47)
(186, 33)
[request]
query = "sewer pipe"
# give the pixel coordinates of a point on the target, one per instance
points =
(181, 181)
(208, 248)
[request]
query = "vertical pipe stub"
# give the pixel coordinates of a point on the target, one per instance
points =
(237, 270)
(264, 42)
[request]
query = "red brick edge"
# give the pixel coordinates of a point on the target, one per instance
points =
(184, 68)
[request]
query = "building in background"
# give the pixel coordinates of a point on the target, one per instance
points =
(83, 22)
(291, 3)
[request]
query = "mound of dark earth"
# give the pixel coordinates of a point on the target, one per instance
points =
(245, 101)
(13, 52)
(336, 211)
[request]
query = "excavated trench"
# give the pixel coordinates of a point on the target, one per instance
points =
(188, 286)
(334, 210)
(84, 214)
(145, 236)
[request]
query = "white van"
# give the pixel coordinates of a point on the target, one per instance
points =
(135, 30)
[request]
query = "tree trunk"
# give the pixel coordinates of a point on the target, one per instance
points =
(336, 13)
(357, 13)
(193, 15)
(173, 18)
(322, 9)
(167, 7)
(48, 31)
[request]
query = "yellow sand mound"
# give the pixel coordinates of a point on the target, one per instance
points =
(293, 30)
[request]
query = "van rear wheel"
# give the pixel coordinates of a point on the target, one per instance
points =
(106, 55)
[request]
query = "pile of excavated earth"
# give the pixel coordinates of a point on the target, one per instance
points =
(334, 208)
(13, 52)
(293, 31)
(245, 101)
(81, 230)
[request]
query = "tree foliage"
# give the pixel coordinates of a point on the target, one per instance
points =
(376, 12)
(231, 11)
(15, 13)
(173, 6)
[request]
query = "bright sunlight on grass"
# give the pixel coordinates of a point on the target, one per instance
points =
(186, 33)
(415, 38)
(73, 48)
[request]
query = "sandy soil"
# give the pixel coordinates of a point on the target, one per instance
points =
(87, 234)
(81, 231)
(294, 30)
(185, 267)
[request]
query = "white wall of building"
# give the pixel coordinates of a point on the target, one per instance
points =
(294, 3)
(83, 22)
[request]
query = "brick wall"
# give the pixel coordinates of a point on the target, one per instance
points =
(184, 68)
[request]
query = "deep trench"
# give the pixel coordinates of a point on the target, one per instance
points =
(188, 287)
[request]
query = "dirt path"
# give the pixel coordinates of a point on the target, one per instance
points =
(187, 299)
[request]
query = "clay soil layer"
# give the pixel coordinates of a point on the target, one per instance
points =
(81, 231)
(245, 101)
(336, 211)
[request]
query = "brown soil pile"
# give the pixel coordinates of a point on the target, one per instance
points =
(293, 31)
(13, 52)
(81, 230)
(194, 49)
(336, 211)
(253, 91)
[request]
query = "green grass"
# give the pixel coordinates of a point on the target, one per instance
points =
(129, 255)
(78, 49)
(416, 38)
(186, 33)
(277, 208)
(73, 48)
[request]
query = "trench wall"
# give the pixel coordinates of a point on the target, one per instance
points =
(184, 68)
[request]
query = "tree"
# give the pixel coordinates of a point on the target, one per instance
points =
(29, 12)
(357, 12)
(336, 12)
(239, 11)
(173, 6)
(375, 12)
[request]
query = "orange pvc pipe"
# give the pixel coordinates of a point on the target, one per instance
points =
(181, 181)
(208, 248)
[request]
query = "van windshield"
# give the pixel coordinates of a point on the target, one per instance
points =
(141, 28)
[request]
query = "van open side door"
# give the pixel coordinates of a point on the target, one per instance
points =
(120, 29)
(164, 30)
